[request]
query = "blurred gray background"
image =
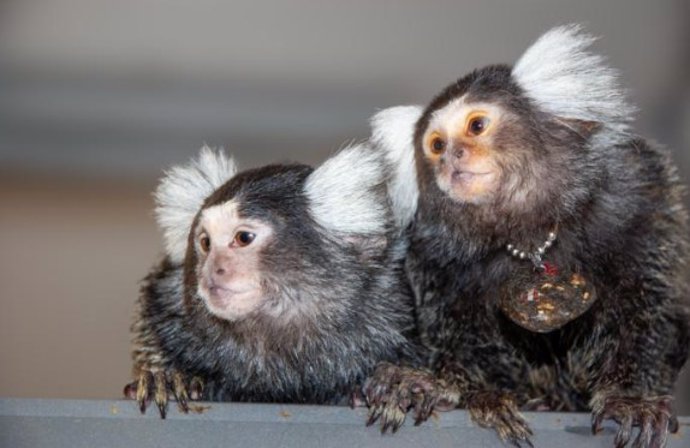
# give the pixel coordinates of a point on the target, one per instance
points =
(98, 96)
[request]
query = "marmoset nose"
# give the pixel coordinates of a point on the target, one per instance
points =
(458, 153)
(220, 275)
(221, 266)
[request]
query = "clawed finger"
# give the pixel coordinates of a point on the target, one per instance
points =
(196, 388)
(391, 418)
(597, 420)
(374, 414)
(663, 426)
(624, 431)
(425, 409)
(143, 393)
(180, 391)
(519, 426)
(673, 425)
(161, 392)
(520, 443)
(644, 438)
(130, 390)
(514, 429)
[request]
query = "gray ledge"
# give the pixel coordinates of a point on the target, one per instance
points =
(116, 423)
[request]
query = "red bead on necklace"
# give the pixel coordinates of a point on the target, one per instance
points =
(550, 269)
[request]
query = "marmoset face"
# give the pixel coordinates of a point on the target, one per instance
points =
(228, 249)
(459, 145)
(487, 153)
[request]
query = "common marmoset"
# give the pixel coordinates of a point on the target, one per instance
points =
(548, 245)
(279, 284)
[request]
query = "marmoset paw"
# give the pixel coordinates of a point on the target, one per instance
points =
(498, 410)
(653, 415)
(392, 391)
(159, 385)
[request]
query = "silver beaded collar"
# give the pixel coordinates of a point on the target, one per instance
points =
(535, 256)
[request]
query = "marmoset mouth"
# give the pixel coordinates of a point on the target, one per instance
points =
(467, 175)
(467, 186)
(221, 297)
(220, 290)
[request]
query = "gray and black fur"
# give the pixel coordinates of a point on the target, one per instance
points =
(340, 274)
(618, 204)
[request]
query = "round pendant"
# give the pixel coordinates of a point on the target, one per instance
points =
(548, 301)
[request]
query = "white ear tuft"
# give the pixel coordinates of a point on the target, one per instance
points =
(347, 193)
(564, 78)
(393, 133)
(181, 193)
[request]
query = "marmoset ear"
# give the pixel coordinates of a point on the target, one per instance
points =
(182, 192)
(347, 194)
(392, 133)
(584, 128)
(565, 79)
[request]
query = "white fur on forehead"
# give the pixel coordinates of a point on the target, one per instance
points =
(393, 133)
(561, 75)
(183, 190)
(345, 192)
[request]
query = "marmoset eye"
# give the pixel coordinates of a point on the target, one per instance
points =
(244, 238)
(204, 242)
(477, 125)
(438, 145)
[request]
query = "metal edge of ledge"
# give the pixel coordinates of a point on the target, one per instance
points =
(249, 412)
(106, 423)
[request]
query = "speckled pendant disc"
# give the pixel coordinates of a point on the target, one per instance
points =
(552, 302)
